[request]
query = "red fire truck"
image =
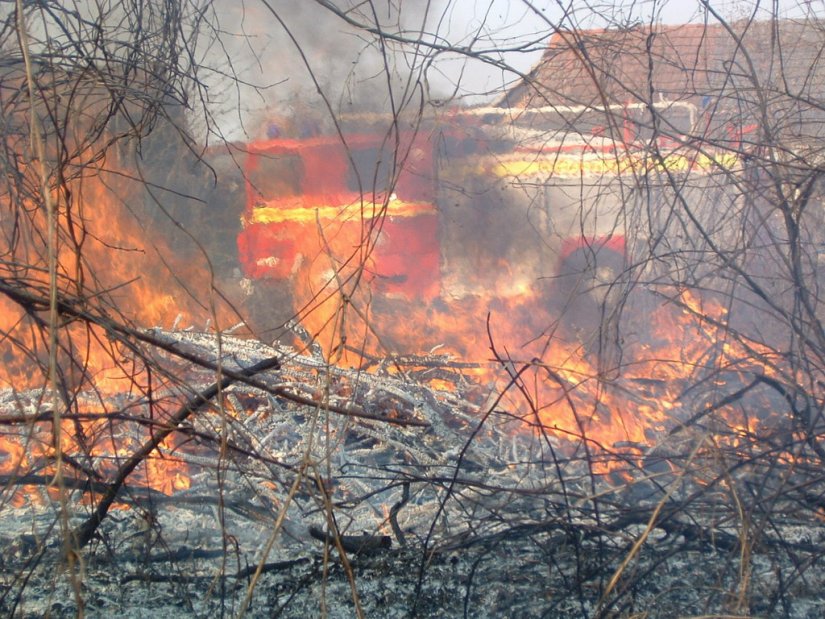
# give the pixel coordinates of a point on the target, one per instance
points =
(474, 202)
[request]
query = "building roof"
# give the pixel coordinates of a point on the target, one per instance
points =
(721, 65)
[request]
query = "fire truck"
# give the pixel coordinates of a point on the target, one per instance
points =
(473, 202)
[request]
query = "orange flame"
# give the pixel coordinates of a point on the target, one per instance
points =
(104, 259)
(564, 388)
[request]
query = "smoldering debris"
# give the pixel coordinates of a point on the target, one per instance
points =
(457, 506)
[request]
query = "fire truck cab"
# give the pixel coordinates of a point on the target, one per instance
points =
(320, 205)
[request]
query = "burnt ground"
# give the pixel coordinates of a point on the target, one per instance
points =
(525, 573)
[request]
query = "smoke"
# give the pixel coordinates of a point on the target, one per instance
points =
(287, 59)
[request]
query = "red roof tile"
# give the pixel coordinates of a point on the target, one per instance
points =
(698, 63)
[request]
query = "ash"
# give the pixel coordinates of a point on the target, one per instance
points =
(411, 490)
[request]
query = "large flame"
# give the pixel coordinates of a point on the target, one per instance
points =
(568, 387)
(114, 266)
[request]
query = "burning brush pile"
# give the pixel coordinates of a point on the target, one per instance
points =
(205, 473)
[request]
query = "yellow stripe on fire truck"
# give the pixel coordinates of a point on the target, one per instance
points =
(294, 212)
(597, 164)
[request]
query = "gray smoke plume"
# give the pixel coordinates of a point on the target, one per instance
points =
(291, 55)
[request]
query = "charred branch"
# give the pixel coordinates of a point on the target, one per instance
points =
(86, 531)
